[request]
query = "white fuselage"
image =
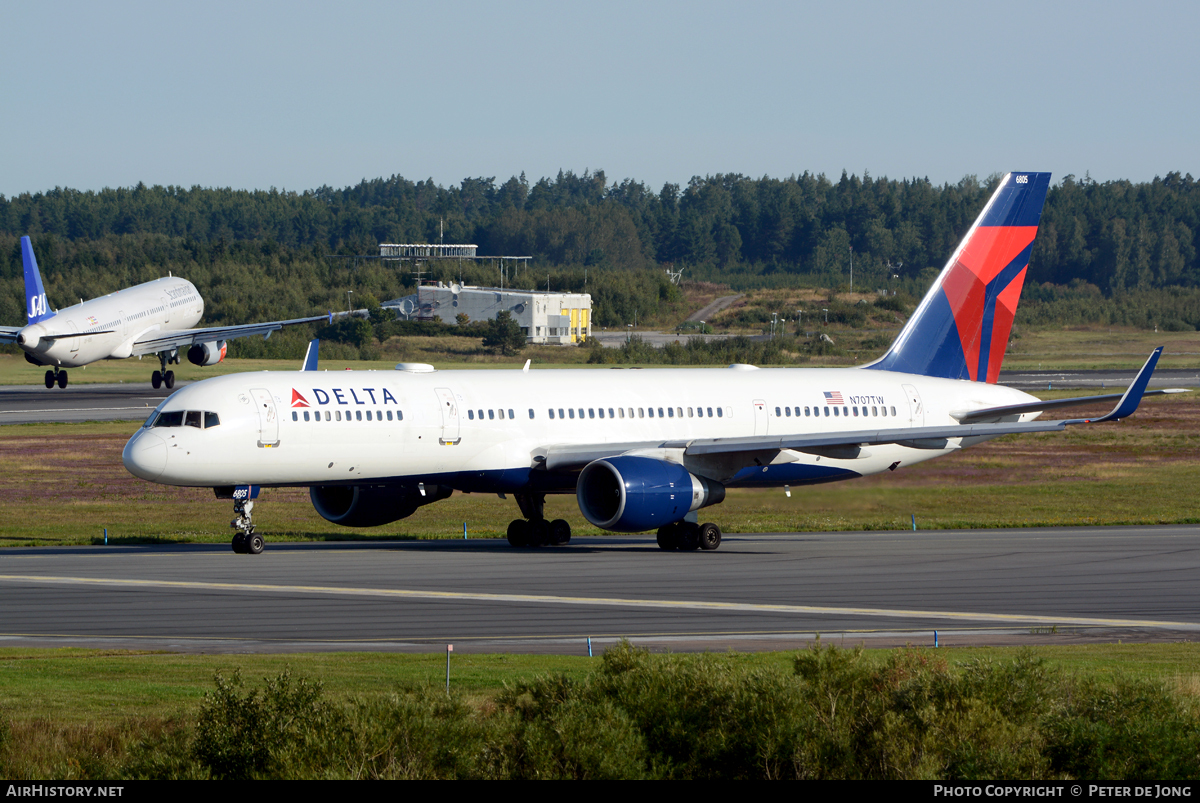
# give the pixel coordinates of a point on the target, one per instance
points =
(488, 430)
(118, 321)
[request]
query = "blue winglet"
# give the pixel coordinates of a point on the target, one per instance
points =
(36, 308)
(1133, 396)
(310, 356)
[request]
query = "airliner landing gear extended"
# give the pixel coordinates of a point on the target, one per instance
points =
(687, 535)
(165, 377)
(56, 375)
(534, 530)
(246, 542)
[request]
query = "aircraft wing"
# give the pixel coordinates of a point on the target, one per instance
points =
(8, 334)
(844, 445)
(160, 340)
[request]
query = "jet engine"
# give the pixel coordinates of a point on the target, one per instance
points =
(207, 353)
(633, 494)
(372, 505)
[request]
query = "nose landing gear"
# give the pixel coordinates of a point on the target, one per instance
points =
(246, 542)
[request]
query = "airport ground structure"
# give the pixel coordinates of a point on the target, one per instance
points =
(551, 318)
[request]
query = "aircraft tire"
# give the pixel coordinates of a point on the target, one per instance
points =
(710, 536)
(560, 532)
(169, 381)
(518, 533)
(62, 379)
(539, 532)
(668, 538)
(156, 380)
(49, 379)
(689, 536)
(239, 543)
(255, 544)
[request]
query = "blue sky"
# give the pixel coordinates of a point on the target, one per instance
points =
(296, 95)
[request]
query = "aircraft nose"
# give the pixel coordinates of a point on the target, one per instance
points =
(145, 455)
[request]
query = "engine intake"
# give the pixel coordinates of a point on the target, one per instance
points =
(371, 505)
(632, 494)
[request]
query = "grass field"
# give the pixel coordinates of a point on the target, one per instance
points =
(72, 686)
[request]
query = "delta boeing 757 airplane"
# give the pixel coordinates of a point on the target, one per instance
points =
(640, 449)
(152, 318)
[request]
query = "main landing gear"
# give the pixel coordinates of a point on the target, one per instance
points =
(534, 530)
(246, 542)
(56, 376)
(165, 377)
(687, 535)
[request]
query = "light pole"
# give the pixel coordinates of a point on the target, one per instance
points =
(824, 310)
(349, 307)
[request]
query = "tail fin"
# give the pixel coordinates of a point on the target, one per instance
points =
(961, 328)
(36, 308)
(310, 356)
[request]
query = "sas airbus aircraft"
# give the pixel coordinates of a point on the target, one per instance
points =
(151, 318)
(640, 449)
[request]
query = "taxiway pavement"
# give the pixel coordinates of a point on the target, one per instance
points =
(758, 591)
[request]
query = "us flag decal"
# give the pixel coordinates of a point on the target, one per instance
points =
(834, 398)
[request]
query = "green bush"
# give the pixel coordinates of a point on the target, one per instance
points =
(289, 730)
(839, 714)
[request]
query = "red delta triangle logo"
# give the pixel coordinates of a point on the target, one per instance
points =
(298, 399)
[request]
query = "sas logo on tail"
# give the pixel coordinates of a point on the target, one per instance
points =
(38, 305)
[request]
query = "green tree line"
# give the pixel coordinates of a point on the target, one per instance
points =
(1117, 235)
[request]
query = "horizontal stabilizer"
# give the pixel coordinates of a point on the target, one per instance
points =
(66, 335)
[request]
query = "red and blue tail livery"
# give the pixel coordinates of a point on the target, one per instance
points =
(961, 328)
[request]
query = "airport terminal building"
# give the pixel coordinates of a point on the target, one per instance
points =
(558, 318)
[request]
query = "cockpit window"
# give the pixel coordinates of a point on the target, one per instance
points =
(171, 419)
(179, 418)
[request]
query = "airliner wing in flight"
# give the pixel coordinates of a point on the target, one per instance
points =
(156, 341)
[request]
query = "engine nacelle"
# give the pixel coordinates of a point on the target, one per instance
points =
(207, 353)
(371, 505)
(631, 494)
